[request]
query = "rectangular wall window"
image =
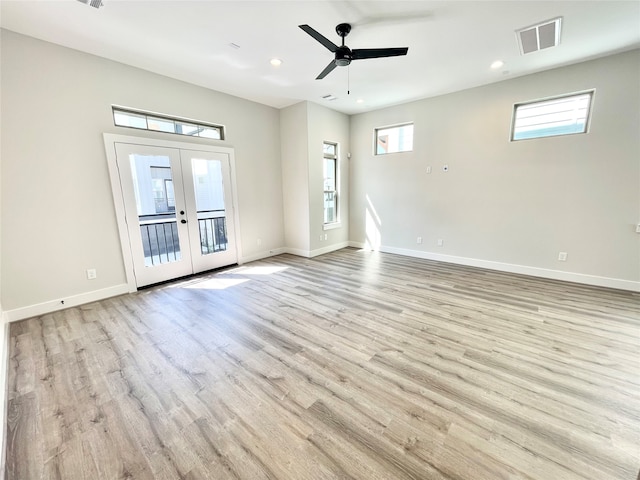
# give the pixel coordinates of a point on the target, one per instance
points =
(394, 139)
(563, 115)
(330, 154)
(123, 117)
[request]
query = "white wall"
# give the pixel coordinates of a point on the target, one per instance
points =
(57, 210)
(4, 352)
(295, 174)
(327, 125)
(304, 128)
(4, 356)
(510, 205)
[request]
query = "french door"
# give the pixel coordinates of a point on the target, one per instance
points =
(178, 210)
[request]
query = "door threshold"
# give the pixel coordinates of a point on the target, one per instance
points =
(187, 277)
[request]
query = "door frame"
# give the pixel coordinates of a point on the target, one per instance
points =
(110, 139)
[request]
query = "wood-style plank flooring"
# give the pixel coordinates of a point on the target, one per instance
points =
(352, 365)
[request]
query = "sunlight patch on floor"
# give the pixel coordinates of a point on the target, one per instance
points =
(217, 283)
(256, 270)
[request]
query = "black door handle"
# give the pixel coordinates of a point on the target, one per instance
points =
(181, 212)
(183, 221)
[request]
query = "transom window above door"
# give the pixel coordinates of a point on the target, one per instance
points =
(126, 117)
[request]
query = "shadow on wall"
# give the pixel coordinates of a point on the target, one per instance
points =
(372, 227)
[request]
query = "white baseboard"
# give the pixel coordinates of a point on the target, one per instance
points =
(512, 268)
(73, 301)
(328, 249)
(261, 255)
(319, 251)
(298, 252)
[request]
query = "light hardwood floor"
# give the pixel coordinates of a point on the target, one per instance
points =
(352, 365)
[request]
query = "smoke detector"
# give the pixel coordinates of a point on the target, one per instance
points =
(538, 37)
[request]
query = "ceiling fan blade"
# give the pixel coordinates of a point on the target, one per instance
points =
(361, 53)
(319, 37)
(328, 69)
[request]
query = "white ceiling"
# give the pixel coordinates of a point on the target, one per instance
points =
(451, 43)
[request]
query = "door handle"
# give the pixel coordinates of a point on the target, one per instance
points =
(183, 221)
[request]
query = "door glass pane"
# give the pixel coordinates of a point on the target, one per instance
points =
(156, 204)
(212, 223)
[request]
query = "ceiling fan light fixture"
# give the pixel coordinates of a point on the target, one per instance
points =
(497, 64)
(276, 62)
(343, 57)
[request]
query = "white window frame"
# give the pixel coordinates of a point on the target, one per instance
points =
(174, 124)
(587, 123)
(392, 127)
(336, 192)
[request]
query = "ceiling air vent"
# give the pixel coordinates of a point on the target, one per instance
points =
(539, 37)
(93, 3)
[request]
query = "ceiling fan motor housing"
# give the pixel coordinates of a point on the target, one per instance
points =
(343, 56)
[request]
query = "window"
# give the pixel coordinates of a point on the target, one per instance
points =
(160, 123)
(563, 115)
(330, 153)
(394, 139)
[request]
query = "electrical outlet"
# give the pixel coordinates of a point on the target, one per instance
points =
(321, 237)
(562, 256)
(638, 228)
(429, 169)
(419, 240)
(440, 242)
(325, 236)
(92, 274)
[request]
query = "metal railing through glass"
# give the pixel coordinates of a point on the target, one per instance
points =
(161, 243)
(160, 240)
(212, 225)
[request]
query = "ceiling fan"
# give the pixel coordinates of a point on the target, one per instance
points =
(343, 54)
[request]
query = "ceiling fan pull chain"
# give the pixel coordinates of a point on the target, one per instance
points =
(348, 80)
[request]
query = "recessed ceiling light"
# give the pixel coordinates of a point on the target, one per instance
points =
(276, 62)
(360, 100)
(497, 64)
